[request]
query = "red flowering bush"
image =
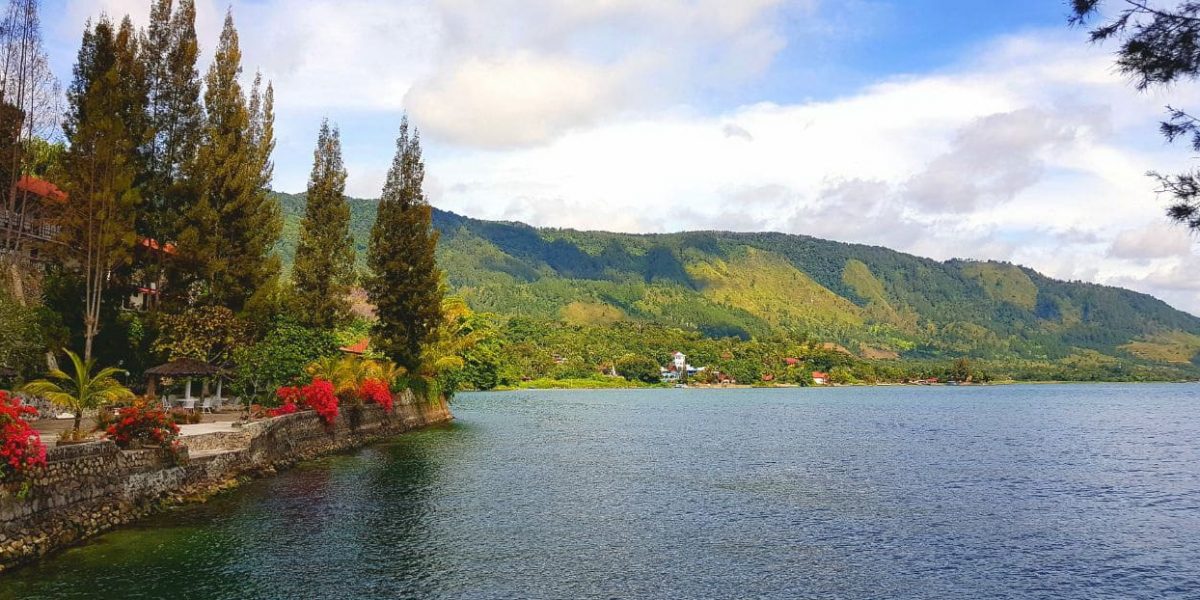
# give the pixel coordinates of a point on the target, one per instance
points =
(377, 391)
(317, 396)
(287, 408)
(288, 396)
(21, 448)
(137, 425)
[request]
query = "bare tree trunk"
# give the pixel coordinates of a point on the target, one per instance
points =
(18, 283)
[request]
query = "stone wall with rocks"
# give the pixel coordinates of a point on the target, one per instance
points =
(89, 488)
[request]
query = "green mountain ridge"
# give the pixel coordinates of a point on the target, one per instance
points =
(876, 302)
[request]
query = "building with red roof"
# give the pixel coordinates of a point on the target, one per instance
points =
(360, 347)
(27, 214)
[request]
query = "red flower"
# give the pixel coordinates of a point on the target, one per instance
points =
(376, 390)
(20, 444)
(141, 423)
(317, 396)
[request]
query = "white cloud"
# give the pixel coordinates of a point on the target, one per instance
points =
(322, 55)
(521, 100)
(514, 73)
(1150, 242)
(991, 160)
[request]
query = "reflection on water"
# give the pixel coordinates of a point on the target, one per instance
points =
(1023, 491)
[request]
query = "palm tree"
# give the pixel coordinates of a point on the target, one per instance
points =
(81, 390)
(457, 334)
(390, 372)
(347, 374)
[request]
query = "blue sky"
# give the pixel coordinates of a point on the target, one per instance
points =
(973, 129)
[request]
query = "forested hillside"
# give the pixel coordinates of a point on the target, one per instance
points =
(876, 302)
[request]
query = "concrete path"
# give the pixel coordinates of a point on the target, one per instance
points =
(203, 428)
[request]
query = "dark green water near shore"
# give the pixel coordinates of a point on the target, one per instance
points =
(1055, 491)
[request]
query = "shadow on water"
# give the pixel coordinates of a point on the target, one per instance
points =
(283, 537)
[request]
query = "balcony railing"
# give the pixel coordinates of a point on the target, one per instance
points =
(12, 221)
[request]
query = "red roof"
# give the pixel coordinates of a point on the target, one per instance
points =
(791, 361)
(820, 375)
(359, 347)
(41, 188)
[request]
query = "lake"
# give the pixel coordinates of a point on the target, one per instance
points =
(1047, 491)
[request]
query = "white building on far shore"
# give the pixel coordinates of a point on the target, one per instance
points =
(678, 366)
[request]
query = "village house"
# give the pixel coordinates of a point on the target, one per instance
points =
(820, 378)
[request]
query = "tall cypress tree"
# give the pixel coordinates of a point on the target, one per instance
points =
(101, 163)
(234, 223)
(133, 92)
(323, 270)
(404, 285)
(175, 116)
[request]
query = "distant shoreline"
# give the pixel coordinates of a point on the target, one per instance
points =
(583, 384)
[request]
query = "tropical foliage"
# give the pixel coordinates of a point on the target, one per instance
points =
(279, 358)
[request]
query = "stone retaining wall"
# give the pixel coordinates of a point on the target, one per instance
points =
(90, 488)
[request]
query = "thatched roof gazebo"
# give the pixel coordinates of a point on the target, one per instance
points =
(183, 368)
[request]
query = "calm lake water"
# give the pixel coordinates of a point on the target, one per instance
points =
(1089, 491)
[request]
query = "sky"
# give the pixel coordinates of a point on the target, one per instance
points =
(949, 129)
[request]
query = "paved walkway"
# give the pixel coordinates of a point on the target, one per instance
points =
(203, 428)
(210, 423)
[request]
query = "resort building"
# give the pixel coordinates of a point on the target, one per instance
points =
(25, 224)
(27, 229)
(677, 368)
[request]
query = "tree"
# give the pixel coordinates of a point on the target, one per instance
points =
(1158, 46)
(21, 338)
(101, 162)
(280, 358)
(234, 223)
(960, 370)
(405, 284)
(638, 368)
(29, 95)
(324, 265)
(81, 390)
(176, 117)
(208, 333)
(842, 375)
